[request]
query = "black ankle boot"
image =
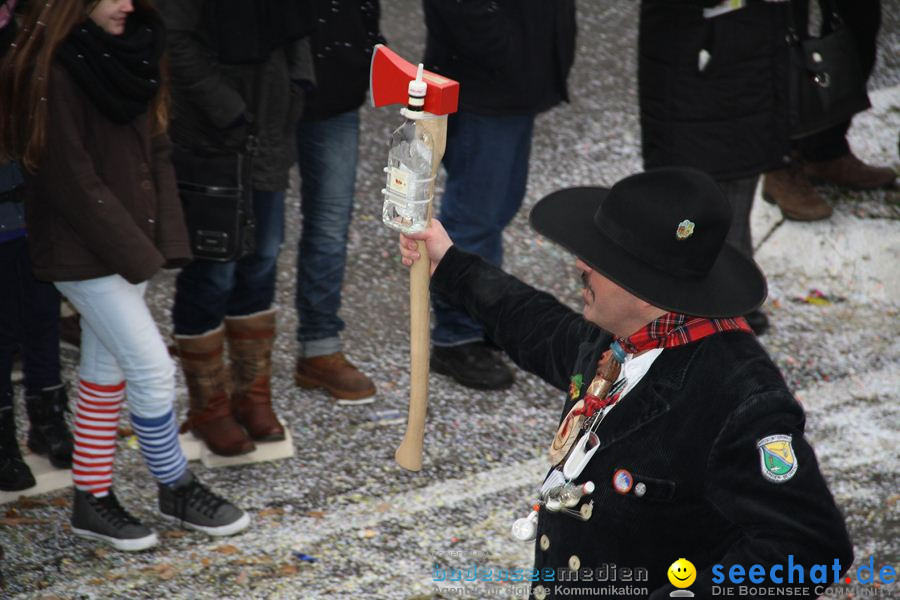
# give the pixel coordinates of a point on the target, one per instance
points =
(14, 473)
(49, 436)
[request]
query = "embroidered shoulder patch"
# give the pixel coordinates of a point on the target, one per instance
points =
(776, 458)
(575, 383)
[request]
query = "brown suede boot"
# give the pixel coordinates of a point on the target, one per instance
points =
(850, 172)
(250, 352)
(795, 195)
(209, 417)
(337, 375)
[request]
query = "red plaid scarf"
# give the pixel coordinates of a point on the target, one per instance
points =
(668, 331)
(673, 329)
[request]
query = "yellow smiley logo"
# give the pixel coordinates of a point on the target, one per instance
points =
(682, 573)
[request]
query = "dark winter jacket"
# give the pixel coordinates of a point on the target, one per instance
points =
(12, 213)
(346, 31)
(688, 435)
(728, 118)
(509, 56)
(103, 200)
(213, 102)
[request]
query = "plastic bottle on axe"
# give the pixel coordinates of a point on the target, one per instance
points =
(409, 187)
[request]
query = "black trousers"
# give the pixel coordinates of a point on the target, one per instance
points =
(740, 194)
(863, 18)
(29, 322)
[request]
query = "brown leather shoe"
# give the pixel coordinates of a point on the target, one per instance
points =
(250, 352)
(337, 375)
(795, 195)
(850, 172)
(209, 417)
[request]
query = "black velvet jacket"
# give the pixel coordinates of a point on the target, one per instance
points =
(688, 434)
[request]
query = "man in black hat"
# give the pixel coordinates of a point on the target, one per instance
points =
(678, 438)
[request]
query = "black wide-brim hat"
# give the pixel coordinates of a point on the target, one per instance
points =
(661, 236)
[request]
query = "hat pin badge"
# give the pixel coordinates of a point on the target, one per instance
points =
(685, 230)
(622, 481)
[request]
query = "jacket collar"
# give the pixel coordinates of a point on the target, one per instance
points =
(651, 398)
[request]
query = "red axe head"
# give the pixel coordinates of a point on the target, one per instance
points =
(389, 80)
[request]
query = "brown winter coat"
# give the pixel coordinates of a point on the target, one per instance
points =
(104, 199)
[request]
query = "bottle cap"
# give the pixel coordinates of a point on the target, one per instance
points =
(418, 87)
(415, 106)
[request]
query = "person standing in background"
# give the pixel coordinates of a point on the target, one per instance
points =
(85, 115)
(712, 85)
(512, 59)
(237, 67)
(29, 324)
(826, 157)
(327, 151)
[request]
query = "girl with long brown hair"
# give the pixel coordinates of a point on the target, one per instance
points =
(83, 110)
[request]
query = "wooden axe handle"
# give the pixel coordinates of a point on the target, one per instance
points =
(409, 453)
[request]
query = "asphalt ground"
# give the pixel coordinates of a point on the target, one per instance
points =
(341, 520)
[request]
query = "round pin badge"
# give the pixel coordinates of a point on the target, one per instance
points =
(622, 481)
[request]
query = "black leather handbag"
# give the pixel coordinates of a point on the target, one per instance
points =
(216, 190)
(827, 85)
(217, 199)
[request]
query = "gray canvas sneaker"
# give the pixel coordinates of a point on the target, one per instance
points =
(194, 506)
(103, 518)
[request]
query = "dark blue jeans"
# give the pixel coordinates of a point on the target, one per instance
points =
(327, 156)
(29, 322)
(487, 169)
(207, 291)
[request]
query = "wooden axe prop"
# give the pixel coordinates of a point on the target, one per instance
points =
(389, 80)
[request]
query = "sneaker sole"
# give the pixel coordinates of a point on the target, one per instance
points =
(221, 531)
(126, 545)
(340, 397)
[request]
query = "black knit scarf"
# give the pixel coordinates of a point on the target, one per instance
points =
(119, 73)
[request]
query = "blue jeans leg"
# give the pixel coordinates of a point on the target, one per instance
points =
(29, 320)
(327, 157)
(487, 170)
(207, 291)
(10, 313)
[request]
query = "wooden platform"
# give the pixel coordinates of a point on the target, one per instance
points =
(48, 479)
(195, 449)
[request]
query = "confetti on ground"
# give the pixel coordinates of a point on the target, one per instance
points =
(305, 557)
(484, 451)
